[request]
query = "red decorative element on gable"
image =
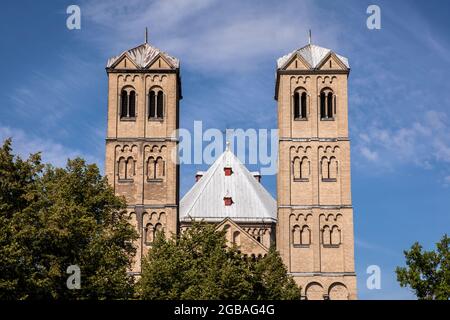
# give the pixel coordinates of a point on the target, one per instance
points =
(228, 171)
(228, 201)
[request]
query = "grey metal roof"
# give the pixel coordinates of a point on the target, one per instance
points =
(312, 54)
(143, 54)
(251, 201)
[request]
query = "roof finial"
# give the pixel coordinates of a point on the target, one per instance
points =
(146, 35)
(309, 36)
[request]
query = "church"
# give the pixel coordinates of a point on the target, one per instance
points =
(310, 222)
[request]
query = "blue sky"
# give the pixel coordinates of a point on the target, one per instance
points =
(54, 94)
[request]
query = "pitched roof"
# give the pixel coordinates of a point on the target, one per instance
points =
(312, 54)
(205, 200)
(142, 55)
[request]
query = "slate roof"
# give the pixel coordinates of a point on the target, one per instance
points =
(312, 54)
(143, 55)
(205, 200)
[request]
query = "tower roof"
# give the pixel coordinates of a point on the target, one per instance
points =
(143, 55)
(250, 201)
(312, 54)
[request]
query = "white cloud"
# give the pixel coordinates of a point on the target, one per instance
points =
(52, 152)
(424, 142)
(207, 34)
(368, 154)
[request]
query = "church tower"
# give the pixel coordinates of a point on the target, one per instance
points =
(144, 91)
(315, 214)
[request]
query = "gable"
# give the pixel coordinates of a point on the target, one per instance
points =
(124, 63)
(159, 63)
(245, 242)
(297, 63)
(331, 62)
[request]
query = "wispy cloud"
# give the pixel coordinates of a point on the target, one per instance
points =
(55, 153)
(207, 34)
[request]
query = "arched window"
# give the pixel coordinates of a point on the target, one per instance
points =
(327, 102)
(300, 101)
(303, 106)
(159, 168)
(132, 102)
(158, 228)
(325, 168)
(123, 104)
(305, 237)
(149, 233)
(296, 235)
(160, 105)
(296, 167)
(322, 106)
(326, 236)
(152, 104)
(122, 167)
(129, 168)
(330, 112)
(335, 236)
(128, 103)
(237, 238)
(156, 104)
(227, 229)
(296, 105)
(333, 169)
(329, 169)
(304, 168)
(151, 168)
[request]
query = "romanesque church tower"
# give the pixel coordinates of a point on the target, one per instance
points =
(144, 91)
(315, 215)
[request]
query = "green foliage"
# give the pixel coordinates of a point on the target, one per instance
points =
(51, 218)
(274, 281)
(427, 272)
(199, 265)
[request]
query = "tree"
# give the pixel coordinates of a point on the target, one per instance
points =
(51, 218)
(274, 281)
(198, 265)
(427, 272)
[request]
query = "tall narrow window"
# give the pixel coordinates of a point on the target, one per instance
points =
(123, 104)
(335, 236)
(296, 168)
(152, 104)
(296, 105)
(304, 168)
(325, 168)
(156, 104)
(326, 236)
(305, 236)
(300, 104)
(132, 104)
(322, 106)
(160, 105)
(303, 106)
(296, 235)
(333, 168)
(129, 168)
(122, 167)
(330, 112)
(327, 104)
